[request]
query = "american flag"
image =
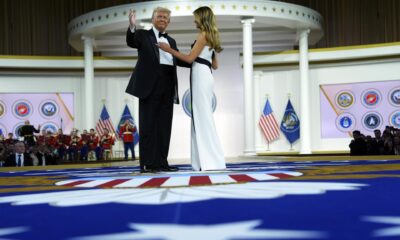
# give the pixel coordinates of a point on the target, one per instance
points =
(104, 122)
(268, 124)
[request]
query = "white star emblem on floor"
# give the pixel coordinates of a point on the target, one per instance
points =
(10, 231)
(236, 230)
(385, 232)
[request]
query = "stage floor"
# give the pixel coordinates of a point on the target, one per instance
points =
(264, 197)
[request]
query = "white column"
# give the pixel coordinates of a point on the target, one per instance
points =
(257, 98)
(305, 111)
(249, 128)
(89, 83)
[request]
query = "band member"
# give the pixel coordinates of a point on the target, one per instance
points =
(41, 139)
(20, 158)
(74, 145)
(60, 144)
(84, 145)
(106, 142)
(93, 143)
(27, 132)
(126, 132)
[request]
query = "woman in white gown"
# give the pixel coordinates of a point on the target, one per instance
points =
(206, 149)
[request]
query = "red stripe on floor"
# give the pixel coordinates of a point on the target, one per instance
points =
(112, 183)
(154, 182)
(73, 184)
(242, 178)
(199, 180)
(280, 175)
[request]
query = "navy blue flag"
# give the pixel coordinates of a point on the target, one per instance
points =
(290, 125)
(126, 115)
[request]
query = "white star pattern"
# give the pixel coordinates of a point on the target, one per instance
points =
(385, 232)
(10, 231)
(237, 230)
(155, 196)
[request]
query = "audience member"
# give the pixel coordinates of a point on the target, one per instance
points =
(20, 158)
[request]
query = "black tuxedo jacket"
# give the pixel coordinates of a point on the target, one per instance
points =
(147, 70)
(10, 161)
(27, 130)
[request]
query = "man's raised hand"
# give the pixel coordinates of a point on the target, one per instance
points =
(132, 18)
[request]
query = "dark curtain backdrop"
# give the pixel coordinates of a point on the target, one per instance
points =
(38, 27)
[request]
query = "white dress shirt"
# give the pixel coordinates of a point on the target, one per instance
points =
(22, 159)
(165, 58)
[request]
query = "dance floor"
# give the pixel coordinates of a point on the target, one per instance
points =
(256, 198)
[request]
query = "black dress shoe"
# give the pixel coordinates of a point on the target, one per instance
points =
(146, 169)
(173, 169)
(169, 169)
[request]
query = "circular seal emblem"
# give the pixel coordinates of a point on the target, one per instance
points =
(22, 109)
(49, 127)
(370, 98)
(2, 109)
(345, 122)
(394, 96)
(48, 109)
(344, 99)
(372, 120)
(290, 122)
(3, 130)
(16, 129)
(394, 119)
(187, 103)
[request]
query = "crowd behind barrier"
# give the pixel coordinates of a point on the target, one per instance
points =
(40, 148)
(383, 143)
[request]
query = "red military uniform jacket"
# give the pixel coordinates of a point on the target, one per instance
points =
(62, 141)
(107, 141)
(93, 141)
(126, 133)
(75, 142)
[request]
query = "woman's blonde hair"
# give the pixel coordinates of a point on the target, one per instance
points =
(205, 17)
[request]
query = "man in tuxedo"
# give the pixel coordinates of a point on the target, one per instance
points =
(154, 82)
(20, 158)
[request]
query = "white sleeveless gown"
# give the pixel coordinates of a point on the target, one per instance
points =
(206, 149)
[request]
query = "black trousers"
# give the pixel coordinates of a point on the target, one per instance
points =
(155, 121)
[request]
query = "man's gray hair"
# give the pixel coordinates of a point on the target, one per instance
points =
(161, 9)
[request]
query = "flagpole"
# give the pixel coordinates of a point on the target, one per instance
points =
(121, 147)
(291, 145)
(266, 96)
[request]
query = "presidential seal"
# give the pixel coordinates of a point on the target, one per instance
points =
(187, 103)
(22, 109)
(394, 96)
(370, 98)
(16, 129)
(48, 109)
(2, 109)
(3, 130)
(50, 127)
(394, 119)
(345, 122)
(372, 120)
(344, 99)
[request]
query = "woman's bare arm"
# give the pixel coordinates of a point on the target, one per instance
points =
(194, 53)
